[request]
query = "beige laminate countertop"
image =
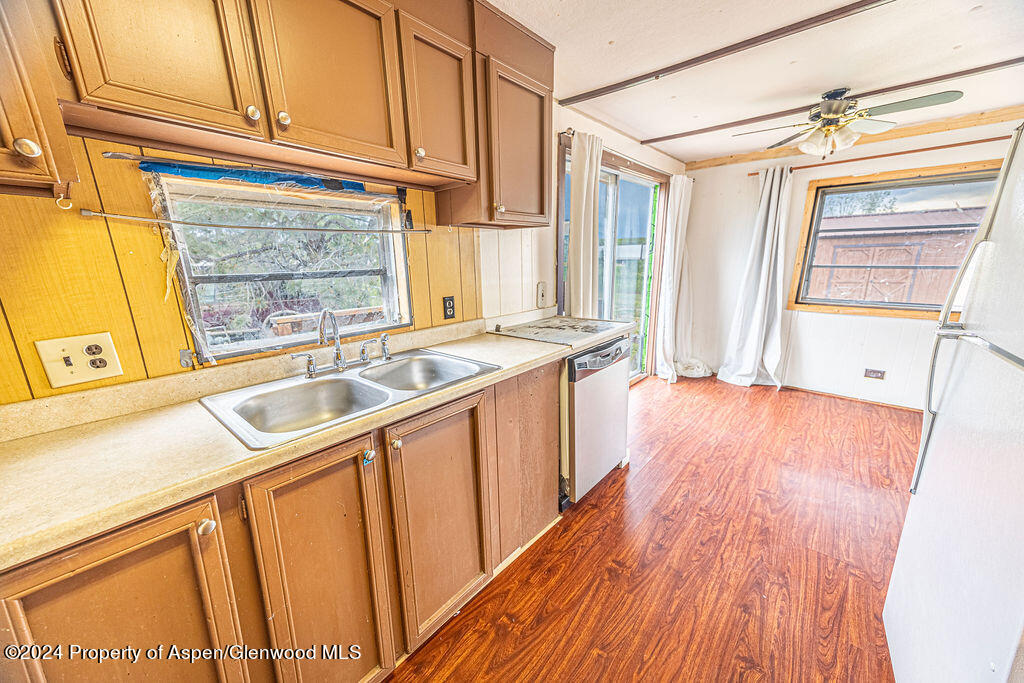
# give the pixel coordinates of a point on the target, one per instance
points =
(64, 486)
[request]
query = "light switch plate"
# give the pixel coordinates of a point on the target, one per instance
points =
(542, 295)
(74, 360)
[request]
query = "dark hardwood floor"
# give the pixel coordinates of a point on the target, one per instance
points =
(751, 538)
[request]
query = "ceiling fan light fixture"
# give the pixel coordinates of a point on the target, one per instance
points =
(815, 144)
(844, 138)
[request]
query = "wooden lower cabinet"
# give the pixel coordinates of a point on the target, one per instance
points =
(441, 502)
(317, 531)
(527, 443)
(164, 581)
(362, 544)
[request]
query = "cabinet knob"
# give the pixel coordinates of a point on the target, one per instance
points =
(368, 456)
(420, 152)
(500, 208)
(252, 113)
(206, 527)
(283, 118)
(396, 444)
(27, 148)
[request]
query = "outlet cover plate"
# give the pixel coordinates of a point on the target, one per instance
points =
(74, 360)
(871, 373)
(448, 303)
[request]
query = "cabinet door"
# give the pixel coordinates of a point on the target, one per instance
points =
(438, 73)
(332, 77)
(519, 136)
(190, 60)
(34, 147)
(441, 499)
(161, 582)
(317, 529)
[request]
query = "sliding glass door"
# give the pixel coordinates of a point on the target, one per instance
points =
(626, 221)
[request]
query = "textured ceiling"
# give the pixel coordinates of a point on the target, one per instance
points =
(603, 41)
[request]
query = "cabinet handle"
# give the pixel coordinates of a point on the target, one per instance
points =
(283, 118)
(500, 208)
(27, 148)
(368, 456)
(420, 152)
(396, 444)
(252, 113)
(206, 527)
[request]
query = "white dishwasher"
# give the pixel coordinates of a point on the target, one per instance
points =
(598, 413)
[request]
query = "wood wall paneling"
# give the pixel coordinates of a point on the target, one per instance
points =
(13, 382)
(443, 254)
(137, 246)
(63, 274)
(59, 277)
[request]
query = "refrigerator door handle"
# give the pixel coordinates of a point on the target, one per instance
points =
(929, 414)
(956, 332)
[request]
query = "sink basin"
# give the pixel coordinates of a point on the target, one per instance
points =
(275, 412)
(420, 372)
(306, 405)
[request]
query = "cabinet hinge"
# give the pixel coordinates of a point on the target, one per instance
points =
(243, 512)
(61, 50)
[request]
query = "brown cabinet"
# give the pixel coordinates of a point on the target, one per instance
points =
(189, 61)
(441, 503)
(161, 582)
(519, 142)
(527, 428)
(514, 71)
(34, 148)
(317, 531)
(438, 75)
(332, 76)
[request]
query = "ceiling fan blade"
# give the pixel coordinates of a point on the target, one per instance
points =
(780, 143)
(916, 102)
(870, 126)
(765, 130)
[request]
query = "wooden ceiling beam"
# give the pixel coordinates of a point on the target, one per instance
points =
(984, 118)
(804, 25)
(869, 93)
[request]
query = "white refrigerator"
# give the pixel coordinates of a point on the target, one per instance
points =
(955, 606)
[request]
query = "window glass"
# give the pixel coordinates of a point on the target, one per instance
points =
(892, 245)
(250, 290)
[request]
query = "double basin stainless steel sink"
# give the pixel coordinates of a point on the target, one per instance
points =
(272, 413)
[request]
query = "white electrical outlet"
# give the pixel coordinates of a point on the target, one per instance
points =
(73, 360)
(542, 295)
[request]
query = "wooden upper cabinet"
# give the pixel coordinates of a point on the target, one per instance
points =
(34, 148)
(519, 138)
(331, 71)
(190, 61)
(438, 75)
(441, 498)
(164, 581)
(317, 527)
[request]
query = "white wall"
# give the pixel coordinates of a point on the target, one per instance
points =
(824, 352)
(513, 261)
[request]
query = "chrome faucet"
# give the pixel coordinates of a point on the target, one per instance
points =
(339, 357)
(385, 352)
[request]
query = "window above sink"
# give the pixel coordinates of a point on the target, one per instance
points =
(250, 289)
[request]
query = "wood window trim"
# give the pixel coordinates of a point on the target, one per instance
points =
(807, 224)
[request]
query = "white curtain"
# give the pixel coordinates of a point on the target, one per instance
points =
(673, 337)
(585, 175)
(754, 351)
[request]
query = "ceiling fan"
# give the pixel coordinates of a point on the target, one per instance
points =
(835, 123)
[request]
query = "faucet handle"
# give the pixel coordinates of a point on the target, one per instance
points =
(310, 363)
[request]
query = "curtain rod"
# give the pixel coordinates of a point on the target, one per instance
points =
(236, 167)
(894, 154)
(142, 219)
